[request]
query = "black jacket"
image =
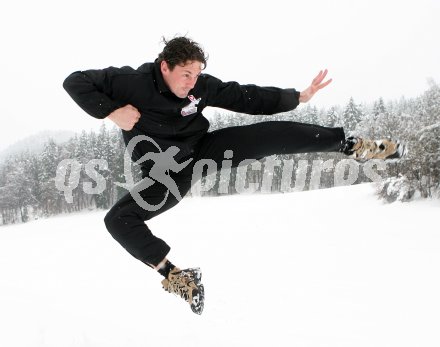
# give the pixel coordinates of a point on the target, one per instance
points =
(163, 116)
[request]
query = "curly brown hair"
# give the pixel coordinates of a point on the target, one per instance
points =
(179, 50)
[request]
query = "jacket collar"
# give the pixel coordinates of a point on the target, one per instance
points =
(159, 78)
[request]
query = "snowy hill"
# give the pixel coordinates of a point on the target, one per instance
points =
(332, 267)
(35, 143)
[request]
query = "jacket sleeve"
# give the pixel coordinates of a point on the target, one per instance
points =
(92, 91)
(250, 99)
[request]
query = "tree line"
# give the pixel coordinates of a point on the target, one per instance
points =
(28, 187)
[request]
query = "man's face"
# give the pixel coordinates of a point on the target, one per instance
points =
(182, 78)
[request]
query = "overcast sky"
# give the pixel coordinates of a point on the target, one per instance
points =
(374, 48)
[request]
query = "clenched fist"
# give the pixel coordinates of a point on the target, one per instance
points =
(125, 117)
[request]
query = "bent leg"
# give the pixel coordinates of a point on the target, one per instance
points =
(125, 222)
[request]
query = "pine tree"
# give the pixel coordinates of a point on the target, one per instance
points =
(103, 150)
(51, 197)
(351, 116)
(379, 108)
(332, 118)
(312, 116)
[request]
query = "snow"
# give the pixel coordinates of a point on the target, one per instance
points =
(333, 267)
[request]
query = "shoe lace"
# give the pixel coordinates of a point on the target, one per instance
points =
(179, 283)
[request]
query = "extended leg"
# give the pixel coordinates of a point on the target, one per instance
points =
(267, 138)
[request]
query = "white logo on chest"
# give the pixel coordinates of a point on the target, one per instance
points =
(191, 107)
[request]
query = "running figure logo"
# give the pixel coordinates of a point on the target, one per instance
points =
(163, 163)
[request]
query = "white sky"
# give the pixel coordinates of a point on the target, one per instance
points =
(372, 48)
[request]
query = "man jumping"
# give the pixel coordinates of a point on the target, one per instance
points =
(164, 100)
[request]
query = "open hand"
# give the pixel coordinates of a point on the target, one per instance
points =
(316, 85)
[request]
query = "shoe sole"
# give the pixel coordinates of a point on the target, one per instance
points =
(401, 152)
(198, 296)
(198, 299)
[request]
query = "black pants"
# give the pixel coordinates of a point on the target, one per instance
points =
(125, 220)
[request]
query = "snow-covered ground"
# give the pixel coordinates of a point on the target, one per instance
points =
(334, 267)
